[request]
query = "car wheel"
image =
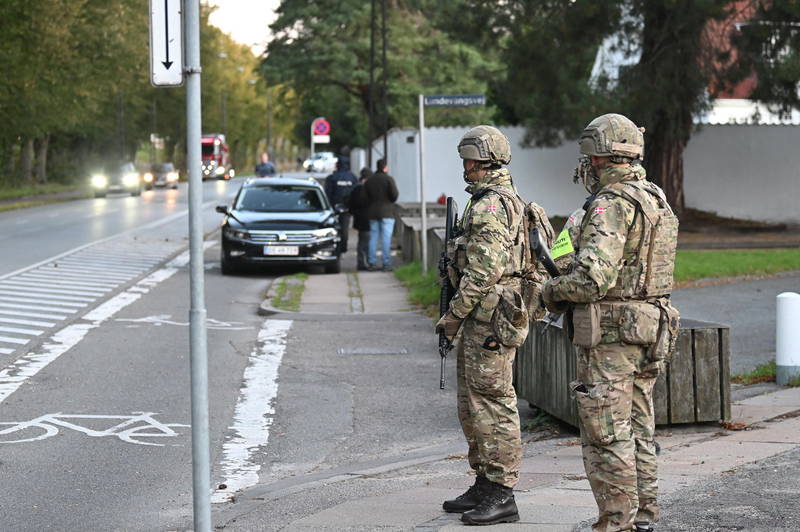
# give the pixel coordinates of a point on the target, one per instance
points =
(334, 267)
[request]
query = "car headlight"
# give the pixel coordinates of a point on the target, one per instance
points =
(99, 181)
(235, 233)
(172, 176)
(148, 177)
(130, 180)
(220, 170)
(327, 232)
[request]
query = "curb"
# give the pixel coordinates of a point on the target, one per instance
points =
(265, 308)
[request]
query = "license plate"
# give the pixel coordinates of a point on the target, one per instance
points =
(282, 250)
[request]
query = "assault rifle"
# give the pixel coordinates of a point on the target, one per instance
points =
(543, 255)
(448, 290)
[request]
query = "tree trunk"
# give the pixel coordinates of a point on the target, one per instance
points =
(41, 160)
(26, 162)
(664, 164)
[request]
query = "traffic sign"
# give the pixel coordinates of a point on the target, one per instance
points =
(322, 127)
(321, 139)
(166, 43)
(455, 100)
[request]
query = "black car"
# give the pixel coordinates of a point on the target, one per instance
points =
(280, 221)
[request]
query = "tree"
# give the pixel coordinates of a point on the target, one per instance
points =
(667, 66)
(321, 53)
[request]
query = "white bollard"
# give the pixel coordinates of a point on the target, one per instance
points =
(787, 337)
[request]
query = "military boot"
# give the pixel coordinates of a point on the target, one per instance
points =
(469, 499)
(644, 527)
(497, 506)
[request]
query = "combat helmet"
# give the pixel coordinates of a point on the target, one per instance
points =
(486, 144)
(613, 135)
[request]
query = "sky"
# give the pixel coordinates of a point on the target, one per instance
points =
(246, 21)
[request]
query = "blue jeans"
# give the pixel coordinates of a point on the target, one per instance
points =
(384, 228)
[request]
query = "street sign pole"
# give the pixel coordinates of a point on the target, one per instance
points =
(201, 463)
(442, 100)
(422, 209)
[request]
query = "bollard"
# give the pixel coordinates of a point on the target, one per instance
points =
(787, 337)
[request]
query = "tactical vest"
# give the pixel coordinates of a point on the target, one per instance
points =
(650, 273)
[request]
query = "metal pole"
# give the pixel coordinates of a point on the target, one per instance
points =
(371, 124)
(422, 210)
(385, 85)
(201, 468)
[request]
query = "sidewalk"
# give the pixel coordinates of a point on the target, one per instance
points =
(553, 493)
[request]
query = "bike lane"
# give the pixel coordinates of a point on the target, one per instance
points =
(110, 448)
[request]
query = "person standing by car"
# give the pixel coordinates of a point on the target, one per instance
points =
(265, 168)
(359, 208)
(338, 187)
(382, 194)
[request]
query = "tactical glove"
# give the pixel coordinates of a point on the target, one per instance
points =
(557, 307)
(449, 324)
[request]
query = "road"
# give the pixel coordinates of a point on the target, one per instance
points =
(94, 376)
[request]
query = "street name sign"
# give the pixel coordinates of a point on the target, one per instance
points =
(455, 100)
(166, 43)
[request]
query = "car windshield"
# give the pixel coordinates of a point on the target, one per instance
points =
(280, 198)
(164, 167)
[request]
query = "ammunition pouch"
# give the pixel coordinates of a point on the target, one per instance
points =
(511, 319)
(586, 331)
(668, 330)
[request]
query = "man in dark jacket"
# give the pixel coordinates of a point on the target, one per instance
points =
(359, 207)
(265, 168)
(338, 187)
(381, 193)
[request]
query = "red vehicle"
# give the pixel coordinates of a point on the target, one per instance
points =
(216, 159)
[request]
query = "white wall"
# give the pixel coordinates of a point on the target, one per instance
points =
(743, 171)
(750, 172)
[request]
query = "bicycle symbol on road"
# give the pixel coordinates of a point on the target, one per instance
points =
(130, 429)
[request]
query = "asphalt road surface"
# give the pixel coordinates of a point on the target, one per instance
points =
(94, 376)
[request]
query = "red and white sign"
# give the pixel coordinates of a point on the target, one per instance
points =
(321, 127)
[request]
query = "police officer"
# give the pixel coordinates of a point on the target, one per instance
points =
(617, 295)
(487, 257)
(338, 187)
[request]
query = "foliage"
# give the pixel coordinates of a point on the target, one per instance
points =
(321, 51)
(75, 93)
(423, 290)
(691, 265)
(289, 291)
(762, 373)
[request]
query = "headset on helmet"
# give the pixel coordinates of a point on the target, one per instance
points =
(613, 135)
(486, 144)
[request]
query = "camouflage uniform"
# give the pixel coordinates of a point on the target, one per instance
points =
(485, 258)
(617, 369)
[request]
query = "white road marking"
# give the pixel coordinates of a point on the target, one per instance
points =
(36, 307)
(27, 366)
(37, 287)
(32, 314)
(12, 340)
(120, 259)
(34, 294)
(164, 319)
(99, 272)
(254, 411)
(56, 281)
(43, 301)
(100, 276)
(130, 429)
(4, 351)
(35, 323)
(106, 266)
(20, 330)
(63, 277)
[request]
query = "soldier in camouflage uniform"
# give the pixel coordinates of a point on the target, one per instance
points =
(617, 295)
(486, 255)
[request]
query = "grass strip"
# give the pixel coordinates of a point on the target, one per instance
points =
(691, 265)
(37, 203)
(289, 291)
(423, 290)
(762, 373)
(11, 193)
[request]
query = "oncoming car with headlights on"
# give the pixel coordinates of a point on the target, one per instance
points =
(122, 178)
(161, 175)
(282, 221)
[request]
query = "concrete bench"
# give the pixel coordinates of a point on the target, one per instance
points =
(694, 389)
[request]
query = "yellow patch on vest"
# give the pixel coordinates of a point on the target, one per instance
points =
(562, 246)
